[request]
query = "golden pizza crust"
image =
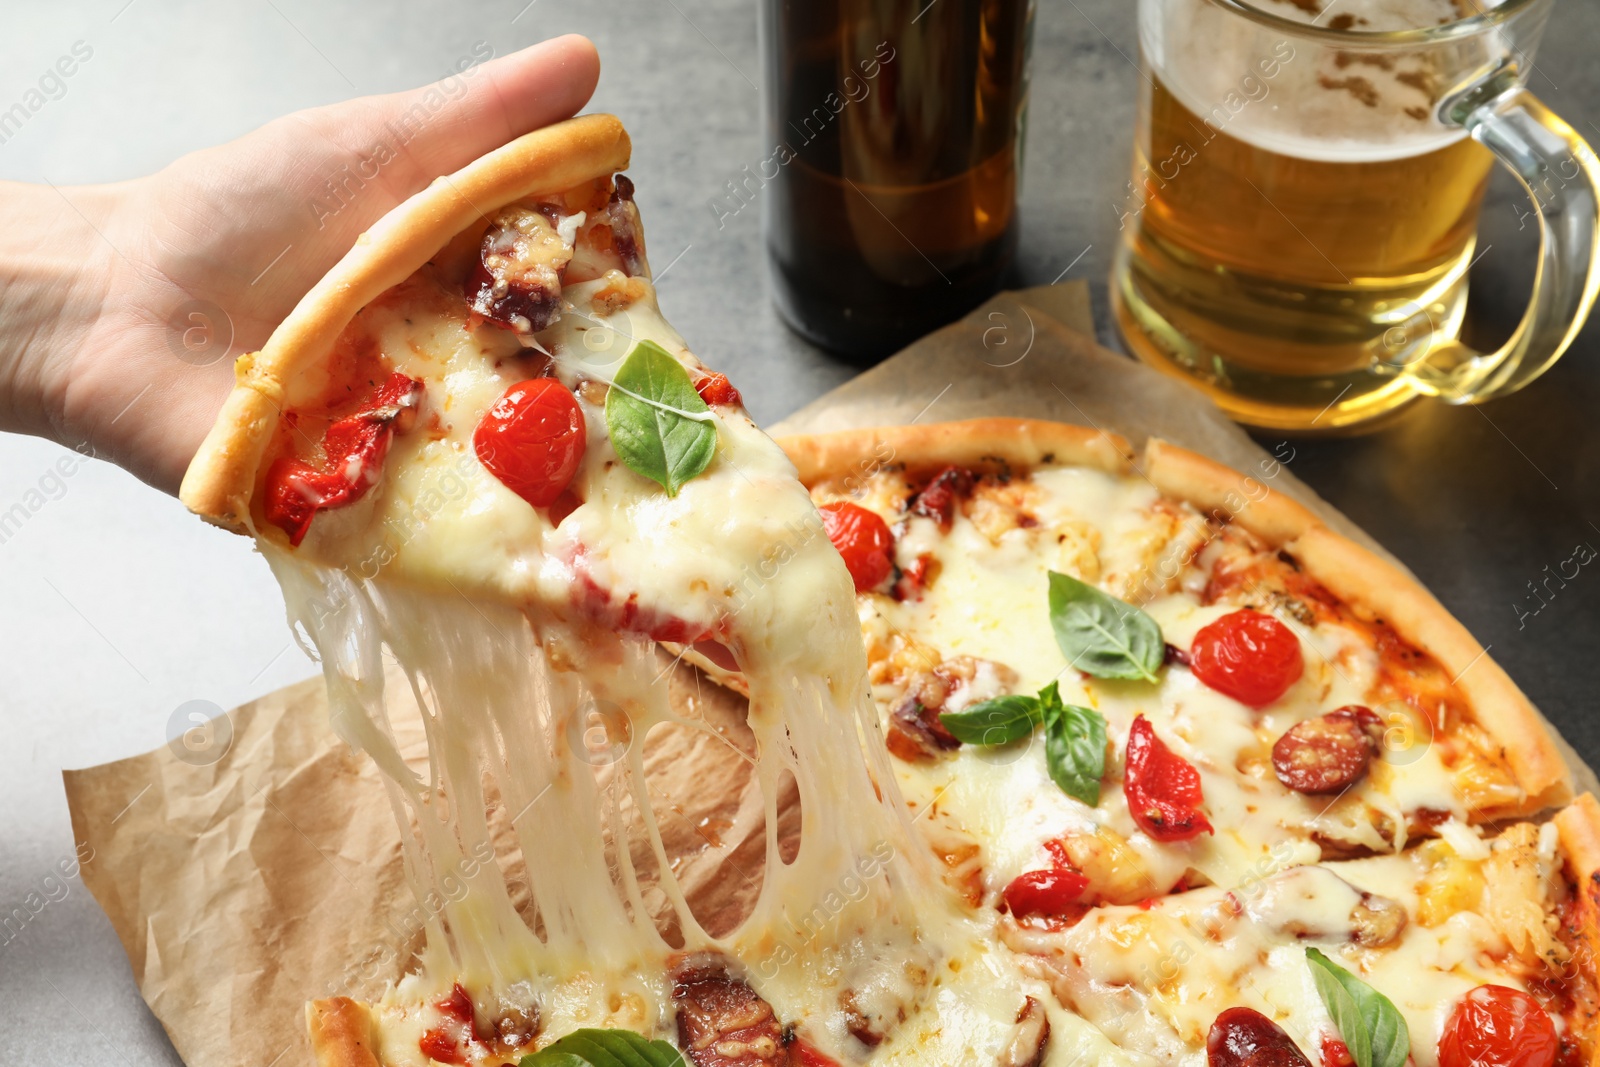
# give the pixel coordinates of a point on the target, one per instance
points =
(1017, 442)
(1579, 823)
(222, 476)
(1214, 488)
(1350, 571)
(342, 1033)
(1579, 826)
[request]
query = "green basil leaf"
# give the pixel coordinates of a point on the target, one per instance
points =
(604, 1048)
(1371, 1027)
(1101, 635)
(1074, 746)
(659, 425)
(994, 722)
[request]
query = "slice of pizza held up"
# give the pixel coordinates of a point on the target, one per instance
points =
(477, 451)
(483, 396)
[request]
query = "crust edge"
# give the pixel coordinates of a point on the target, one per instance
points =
(342, 1033)
(1500, 707)
(1019, 441)
(1579, 826)
(221, 478)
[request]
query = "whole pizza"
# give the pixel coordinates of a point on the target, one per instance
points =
(1062, 753)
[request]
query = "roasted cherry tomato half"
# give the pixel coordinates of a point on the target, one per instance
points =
(458, 1005)
(1163, 788)
(715, 388)
(1497, 1026)
(1052, 893)
(803, 1053)
(863, 539)
(1248, 656)
(532, 439)
(353, 450)
(441, 1045)
(1335, 1053)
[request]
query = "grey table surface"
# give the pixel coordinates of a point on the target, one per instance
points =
(117, 607)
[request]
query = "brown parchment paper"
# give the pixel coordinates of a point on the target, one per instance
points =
(243, 887)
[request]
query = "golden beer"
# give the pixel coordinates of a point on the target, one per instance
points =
(1299, 229)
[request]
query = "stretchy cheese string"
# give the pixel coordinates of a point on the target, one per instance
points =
(501, 696)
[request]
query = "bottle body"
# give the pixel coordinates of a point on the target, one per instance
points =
(889, 201)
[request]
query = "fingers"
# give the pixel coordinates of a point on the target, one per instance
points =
(448, 124)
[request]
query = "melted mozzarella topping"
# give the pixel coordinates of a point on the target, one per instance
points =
(568, 918)
(1155, 978)
(1152, 977)
(990, 599)
(542, 866)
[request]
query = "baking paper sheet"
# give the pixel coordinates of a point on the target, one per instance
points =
(245, 886)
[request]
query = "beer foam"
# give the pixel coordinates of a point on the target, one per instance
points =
(1303, 99)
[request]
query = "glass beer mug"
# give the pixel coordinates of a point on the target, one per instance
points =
(1307, 180)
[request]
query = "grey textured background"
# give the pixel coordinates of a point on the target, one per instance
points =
(116, 607)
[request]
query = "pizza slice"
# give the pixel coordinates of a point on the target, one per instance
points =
(477, 451)
(1257, 682)
(484, 397)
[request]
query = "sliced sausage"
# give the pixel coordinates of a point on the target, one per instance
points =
(1243, 1037)
(623, 217)
(858, 1022)
(517, 282)
(915, 733)
(722, 1022)
(1376, 921)
(937, 501)
(1330, 752)
(1030, 1040)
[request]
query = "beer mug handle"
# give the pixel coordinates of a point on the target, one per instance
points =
(1561, 175)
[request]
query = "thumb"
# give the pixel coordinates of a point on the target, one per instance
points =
(442, 127)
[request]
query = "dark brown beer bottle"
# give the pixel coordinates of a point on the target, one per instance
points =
(889, 197)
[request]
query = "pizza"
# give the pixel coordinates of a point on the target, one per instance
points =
(1293, 744)
(1080, 755)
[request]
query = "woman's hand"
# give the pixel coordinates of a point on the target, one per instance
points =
(122, 306)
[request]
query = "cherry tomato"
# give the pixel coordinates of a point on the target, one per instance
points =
(296, 491)
(803, 1053)
(458, 1005)
(532, 439)
(863, 539)
(716, 389)
(439, 1044)
(1496, 1026)
(1163, 790)
(1335, 1053)
(1243, 1037)
(1248, 656)
(1050, 893)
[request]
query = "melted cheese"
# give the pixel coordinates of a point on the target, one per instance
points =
(503, 686)
(478, 597)
(1155, 978)
(989, 600)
